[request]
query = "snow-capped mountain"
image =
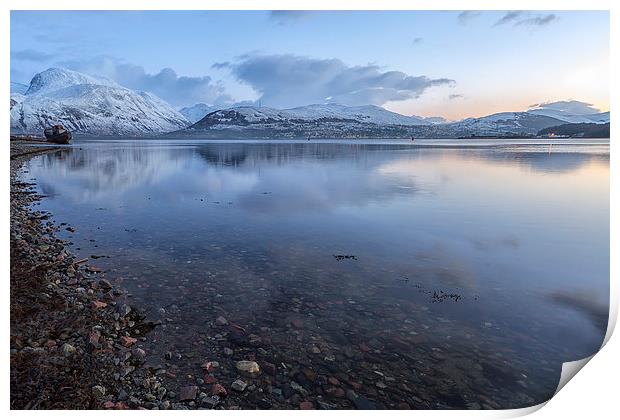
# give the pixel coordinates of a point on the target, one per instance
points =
(197, 112)
(364, 114)
(433, 120)
(90, 105)
(370, 114)
(339, 121)
(500, 124)
(599, 118)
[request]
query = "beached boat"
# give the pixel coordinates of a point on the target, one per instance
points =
(57, 134)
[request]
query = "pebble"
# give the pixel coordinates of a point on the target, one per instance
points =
(306, 405)
(248, 367)
(98, 304)
(188, 393)
(238, 385)
(139, 354)
(335, 392)
(104, 284)
(219, 390)
(67, 350)
(380, 385)
(221, 321)
(124, 310)
(98, 391)
(269, 368)
(128, 341)
(210, 402)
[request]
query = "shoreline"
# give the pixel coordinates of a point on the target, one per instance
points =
(75, 343)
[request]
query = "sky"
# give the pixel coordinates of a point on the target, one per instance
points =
(454, 64)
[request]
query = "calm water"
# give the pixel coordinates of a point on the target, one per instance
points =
(477, 270)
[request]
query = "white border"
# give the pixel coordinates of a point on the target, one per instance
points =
(592, 394)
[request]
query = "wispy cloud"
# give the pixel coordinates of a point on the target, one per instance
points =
(538, 20)
(282, 17)
(467, 15)
(524, 18)
(455, 96)
(31, 55)
(222, 65)
(288, 80)
(509, 17)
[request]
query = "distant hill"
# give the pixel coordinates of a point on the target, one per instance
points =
(197, 112)
(339, 121)
(586, 130)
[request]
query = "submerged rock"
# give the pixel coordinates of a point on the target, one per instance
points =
(98, 391)
(219, 390)
(67, 350)
(188, 393)
(238, 385)
(248, 367)
(306, 405)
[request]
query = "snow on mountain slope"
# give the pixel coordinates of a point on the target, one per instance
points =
(432, 120)
(502, 123)
(90, 105)
(601, 117)
(367, 114)
(53, 79)
(197, 112)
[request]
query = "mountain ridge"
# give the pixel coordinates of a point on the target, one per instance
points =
(97, 106)
(90, 105)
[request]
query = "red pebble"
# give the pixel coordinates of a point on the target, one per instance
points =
(333, 381)
(219, 390)
(306, 405)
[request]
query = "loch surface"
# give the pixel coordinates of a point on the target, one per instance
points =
(440, 274)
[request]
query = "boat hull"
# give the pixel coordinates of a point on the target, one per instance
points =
(59, 138)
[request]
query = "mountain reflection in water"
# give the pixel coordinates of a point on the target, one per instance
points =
(470, 270)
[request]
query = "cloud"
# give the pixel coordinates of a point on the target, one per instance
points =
(418, 40)
(31, 55)
(509, 17)
(282, 17)
(465, 16)
(54, 38)
(538, 20)
(222, 65)
(167, 84)
(570, 106)
(289, 80)
(522, 18)
(455, 96)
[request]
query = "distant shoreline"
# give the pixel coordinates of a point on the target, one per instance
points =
(228, 138)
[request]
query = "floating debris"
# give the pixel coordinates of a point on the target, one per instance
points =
(345, 257)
